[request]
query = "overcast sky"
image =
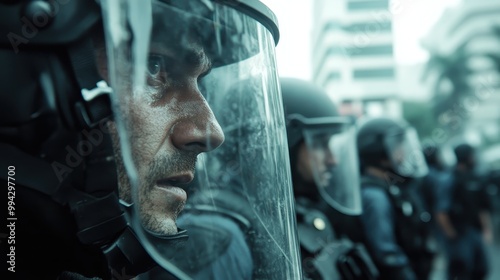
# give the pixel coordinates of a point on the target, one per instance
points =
(294, 16)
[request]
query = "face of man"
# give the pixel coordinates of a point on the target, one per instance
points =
(169, 123)
(316, 157)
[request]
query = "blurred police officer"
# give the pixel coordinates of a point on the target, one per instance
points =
(464, 218)
(395, 226)
(325, 181)
(100, 171)
(439, 176)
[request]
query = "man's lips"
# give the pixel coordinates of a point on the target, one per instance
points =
(174, 185)
(175, 181)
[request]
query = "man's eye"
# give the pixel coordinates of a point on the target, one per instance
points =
(158, 75)
(156, 65)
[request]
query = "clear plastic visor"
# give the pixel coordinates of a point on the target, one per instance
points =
(333, 162)
(186, 76)
(405, 153)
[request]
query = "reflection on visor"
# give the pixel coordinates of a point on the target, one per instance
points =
(225, 35)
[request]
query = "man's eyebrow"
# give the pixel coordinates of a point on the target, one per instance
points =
(190, 58)
(197, 60)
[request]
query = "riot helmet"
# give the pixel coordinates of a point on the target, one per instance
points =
(321, 143)
(392, 146)
(439, 157)
(466, 155)
(145, 80)
(431, 155)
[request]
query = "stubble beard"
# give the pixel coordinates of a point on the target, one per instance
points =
(153, 220)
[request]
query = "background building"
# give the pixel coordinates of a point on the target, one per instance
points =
(353, 55)
(464, 71)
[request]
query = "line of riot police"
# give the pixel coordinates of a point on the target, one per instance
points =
(370, 200)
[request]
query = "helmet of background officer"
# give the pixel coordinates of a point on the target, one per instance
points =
(321, 144)
(433, 157)
(389, 147)
(466, 156)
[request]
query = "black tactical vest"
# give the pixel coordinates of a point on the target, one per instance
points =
(324, 255)
(413, 223)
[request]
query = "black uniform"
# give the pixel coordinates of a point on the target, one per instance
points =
(325, 254)
(395, 226)
(466, 252)
(325, 181)
(402, 238)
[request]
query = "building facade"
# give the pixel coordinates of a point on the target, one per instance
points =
(353, 55)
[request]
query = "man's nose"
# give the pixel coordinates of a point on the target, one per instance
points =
(330, 159)
(198, 131)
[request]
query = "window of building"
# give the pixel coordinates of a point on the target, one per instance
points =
(373, 73)
(331, 25)
(336, 50)
(383, 50)
(364, 5)
(370, 50)
(360, 51)
(368, 27)
(333, 76)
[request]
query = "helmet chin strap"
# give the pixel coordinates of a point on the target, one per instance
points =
(94, 105)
